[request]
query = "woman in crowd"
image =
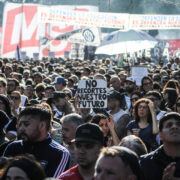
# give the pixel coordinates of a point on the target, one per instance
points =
(145, 123)
(22, 167)
(107, 125)
(10, 127)
(134, 97)
(170, 96)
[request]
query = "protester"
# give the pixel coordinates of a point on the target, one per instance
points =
(145, 123)
(107, 125)
(135, 144)
(88, 140)
(33, 132)
(159, 161)
(69, 124)
(121, 118)
(117, 163)
(23, 167)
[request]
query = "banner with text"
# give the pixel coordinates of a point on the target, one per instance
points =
(92, 93)
(20, 27)
(154, 21)
(90, 19)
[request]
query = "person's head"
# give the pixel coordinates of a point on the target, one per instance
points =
(60, 100)
(169, 128)
(3, 85)
(37, 77)
(8, 70)
(135, 96)
(117, 163)
(142, 110)
(39, 89)
(69, 124)
(3, 120)
(115, 100)
(135, 144)
(15, 99)
(5, 105)
(129, 85)
(170, 96)
(23, 167)
(115, 82)
(101, 120)
(48, 91)
(89, 139)
(59, 83)
(146, 83)
(155, 97)
(12, 85)
(34, 123)
(29, 91)
(86, 72)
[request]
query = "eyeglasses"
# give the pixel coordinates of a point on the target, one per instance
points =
(142, 107)
(14, 97)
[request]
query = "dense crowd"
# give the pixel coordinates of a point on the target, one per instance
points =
(44, 134)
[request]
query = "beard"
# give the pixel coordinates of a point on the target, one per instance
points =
(129, 90)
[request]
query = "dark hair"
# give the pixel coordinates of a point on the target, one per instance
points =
(28, 164)
(142, 81)
(7, 105)
(149, 116)
(96, 119)
(14, 80)
(138, 145)
(129, 158)
(171, 115)
(43, 112)
(155, 94)
(172, 96)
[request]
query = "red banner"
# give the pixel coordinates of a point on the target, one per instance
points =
(20, 27)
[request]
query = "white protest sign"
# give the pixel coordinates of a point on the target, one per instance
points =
(138, 72)
(92, 93)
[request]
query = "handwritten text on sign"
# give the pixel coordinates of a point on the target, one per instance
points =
(92, 93)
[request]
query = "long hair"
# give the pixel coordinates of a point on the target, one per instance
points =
(149, 116)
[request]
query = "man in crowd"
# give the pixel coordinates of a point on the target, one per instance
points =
(12, 85)
(116, 103)
(116, 83)
(33, 130)
(117, 163)
(59, 83)
(130, 87)
(88, 140)
(160, 160)
(61, 105)
(69, 124)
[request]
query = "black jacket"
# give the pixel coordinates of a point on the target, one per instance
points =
(52, 156)
(153, 164)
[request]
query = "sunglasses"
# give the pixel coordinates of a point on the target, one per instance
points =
(14, 97)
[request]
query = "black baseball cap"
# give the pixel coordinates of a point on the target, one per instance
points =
(89, 132)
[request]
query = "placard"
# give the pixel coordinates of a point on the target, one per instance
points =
(138, 72)
(92, 93)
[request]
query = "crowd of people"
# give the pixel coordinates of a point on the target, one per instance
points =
(45, 135)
